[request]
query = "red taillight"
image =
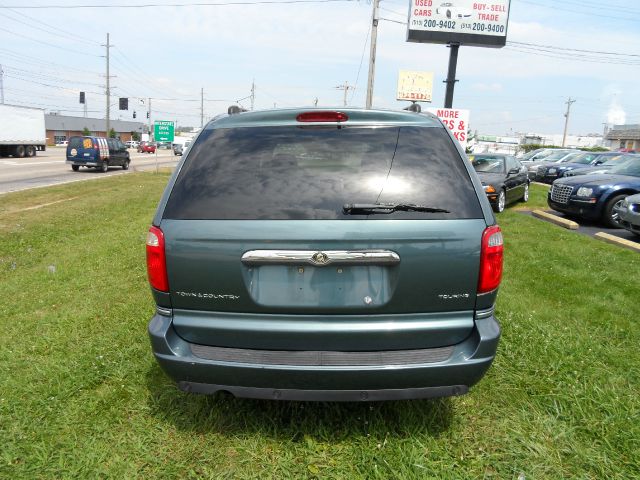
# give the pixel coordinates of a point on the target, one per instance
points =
(156, 260)
(491, 254)
(95, 145)
(322, 116)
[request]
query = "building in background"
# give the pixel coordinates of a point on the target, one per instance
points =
(62, 127)
(625, 137)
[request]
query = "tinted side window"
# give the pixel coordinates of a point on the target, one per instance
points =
(75, 142)
(312, 172)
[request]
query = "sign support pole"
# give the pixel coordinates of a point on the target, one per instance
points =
(156, 157)
(451, 75)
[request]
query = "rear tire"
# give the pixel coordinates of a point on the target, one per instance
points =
(104, 168)
(19, 151)
(31, 151)
(75, 168)
(125, 165)
(609, 215)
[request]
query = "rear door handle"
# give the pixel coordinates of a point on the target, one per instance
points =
(320, 257)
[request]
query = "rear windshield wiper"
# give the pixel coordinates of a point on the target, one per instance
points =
(369, 208)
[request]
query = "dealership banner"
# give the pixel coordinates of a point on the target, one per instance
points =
(456, 120)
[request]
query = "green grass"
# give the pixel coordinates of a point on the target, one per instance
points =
(82, 397)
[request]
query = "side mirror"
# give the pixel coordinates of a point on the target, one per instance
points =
(514, 171)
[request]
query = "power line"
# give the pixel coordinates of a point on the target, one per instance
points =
(78, 52)
(572, 49)
(38, 61)
(185, 4)
(57, 32)
(49, 85)
(572, 10)
(364, 49)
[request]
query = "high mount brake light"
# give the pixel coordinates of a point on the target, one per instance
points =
(322, 116)
(491, 257)
(156, 260)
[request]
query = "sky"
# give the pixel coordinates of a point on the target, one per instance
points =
(296, 53)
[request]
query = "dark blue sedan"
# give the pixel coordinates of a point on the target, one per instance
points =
(595, 197)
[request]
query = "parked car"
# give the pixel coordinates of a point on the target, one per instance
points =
(596, 197)
(536, 155)
(505, 179)
(180, 148)
(97, 152)
(62, 143)
(629, 214)
(325, 255)
(555, 157)
(164, 145)
(147, 147)
(132, 144)
(610, 162)
(550, 172)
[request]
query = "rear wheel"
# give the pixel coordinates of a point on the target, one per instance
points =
(31, 151)
(104, 168)
(125, 165)
(610, 217)
(75, 168)
(500, 202)
(19, 151)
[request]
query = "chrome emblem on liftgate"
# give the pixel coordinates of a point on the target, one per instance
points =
(320, 258)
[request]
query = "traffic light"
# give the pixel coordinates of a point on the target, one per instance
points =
(134, 114)
(124, 104)
(82, 97)
(147, 114)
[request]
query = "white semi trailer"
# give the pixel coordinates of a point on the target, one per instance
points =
(22, 131)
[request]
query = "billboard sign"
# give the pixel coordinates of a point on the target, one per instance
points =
(415, 86)
(456, 120)
(467, 22)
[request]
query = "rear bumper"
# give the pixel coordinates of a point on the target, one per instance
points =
(326, 376)
(82, 163)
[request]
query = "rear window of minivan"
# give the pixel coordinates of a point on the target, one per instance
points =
(75, 142)
(299, 173)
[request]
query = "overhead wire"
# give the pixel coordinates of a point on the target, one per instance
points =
(48, 44)
(56, 31)
(181, 4)
(364, 49)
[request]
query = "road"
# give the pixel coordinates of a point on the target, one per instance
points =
(49, 168)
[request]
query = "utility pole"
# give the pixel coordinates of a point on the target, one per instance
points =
(253, 92)
(346, 87)
(149, 117)
(372, 53)
(201, 107)
(108, 92)
(1, 84)
(566, 120)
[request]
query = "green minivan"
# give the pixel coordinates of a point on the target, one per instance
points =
(334, 255)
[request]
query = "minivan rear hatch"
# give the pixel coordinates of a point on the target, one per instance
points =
(260, 226)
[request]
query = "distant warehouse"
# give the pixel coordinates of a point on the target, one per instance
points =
(61, 127)
(625, 137)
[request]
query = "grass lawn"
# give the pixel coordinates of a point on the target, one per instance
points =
(82, 397)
